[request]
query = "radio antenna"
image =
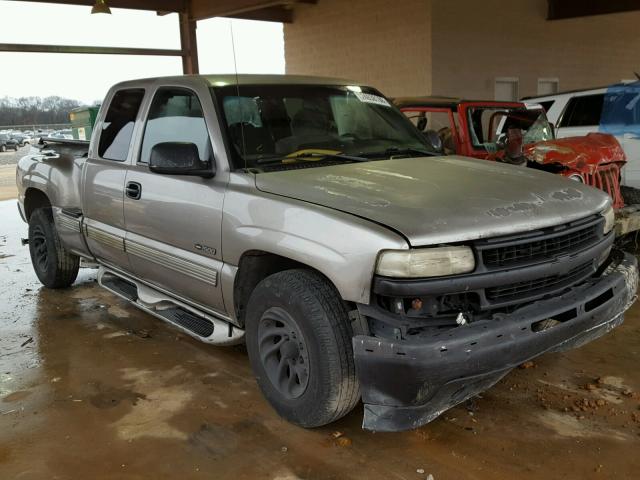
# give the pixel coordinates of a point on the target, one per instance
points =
(240, 105)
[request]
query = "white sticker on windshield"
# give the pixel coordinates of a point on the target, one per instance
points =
(370, 98)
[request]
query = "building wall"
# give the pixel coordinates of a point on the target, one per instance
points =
(459, 47)
(377, 42)
(472, 46)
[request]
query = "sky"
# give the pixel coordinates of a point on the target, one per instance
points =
(259, 48)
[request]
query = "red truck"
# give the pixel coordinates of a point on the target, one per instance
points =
(519, 133)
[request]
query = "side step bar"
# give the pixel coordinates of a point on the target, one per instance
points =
(190, 320)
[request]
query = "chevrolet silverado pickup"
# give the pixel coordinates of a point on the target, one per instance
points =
(308, 218)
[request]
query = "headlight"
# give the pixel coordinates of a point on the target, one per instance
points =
(425, 262)
(609, 219)
(576, 177)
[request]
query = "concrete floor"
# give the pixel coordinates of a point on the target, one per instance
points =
(91, 388)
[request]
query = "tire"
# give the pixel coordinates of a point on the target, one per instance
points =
(630, 195)
(54, 265)
(302, 305)
(3, 148)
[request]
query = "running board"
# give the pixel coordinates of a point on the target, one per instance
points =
(190, 320)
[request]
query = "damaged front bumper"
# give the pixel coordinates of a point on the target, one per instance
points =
(627, 220)
(407, 383)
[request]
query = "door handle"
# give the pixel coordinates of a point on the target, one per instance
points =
(133, 190)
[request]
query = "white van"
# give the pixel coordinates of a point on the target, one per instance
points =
(581, 112)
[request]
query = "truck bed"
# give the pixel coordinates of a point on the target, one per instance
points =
(64, 146)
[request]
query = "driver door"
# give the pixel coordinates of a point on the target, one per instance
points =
(174, 221)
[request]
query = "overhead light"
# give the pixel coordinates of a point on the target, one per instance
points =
(101, 7)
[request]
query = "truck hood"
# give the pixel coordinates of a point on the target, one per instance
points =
(436, 200)
(583, 154)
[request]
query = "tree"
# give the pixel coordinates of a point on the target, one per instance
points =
(36, 110)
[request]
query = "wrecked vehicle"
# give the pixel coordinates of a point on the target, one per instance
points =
(613, 109)
(310, 219)
(519, 133)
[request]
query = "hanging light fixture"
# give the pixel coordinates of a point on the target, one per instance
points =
(101, 7)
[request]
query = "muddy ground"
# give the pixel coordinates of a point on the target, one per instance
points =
(91, 388)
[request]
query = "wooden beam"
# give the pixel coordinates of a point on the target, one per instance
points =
(188, 44)
(269, 14)
(203, 9)
(152, 5)
(23, 47)
(562, 9)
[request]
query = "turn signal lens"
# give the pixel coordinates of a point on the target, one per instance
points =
(609, 219)
(425, 262)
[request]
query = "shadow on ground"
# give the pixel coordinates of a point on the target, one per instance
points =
(92, 388)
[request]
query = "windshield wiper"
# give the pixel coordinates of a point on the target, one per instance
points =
(392, 151)
(318, 155)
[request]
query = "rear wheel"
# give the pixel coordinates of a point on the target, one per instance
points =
(299, 345)
(3, 148)
(54, 265)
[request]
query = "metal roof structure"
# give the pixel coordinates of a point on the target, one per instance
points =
(189, 12)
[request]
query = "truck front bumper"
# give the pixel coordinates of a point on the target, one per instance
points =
(627, 220)
(407, 383)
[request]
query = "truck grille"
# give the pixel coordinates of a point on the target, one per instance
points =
(547, 247)
(531, 288)
(606, 178)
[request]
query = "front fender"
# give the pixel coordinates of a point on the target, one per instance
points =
(342, 247)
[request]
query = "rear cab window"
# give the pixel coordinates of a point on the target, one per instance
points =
(440, 120)
(547, 105)
(117, 127)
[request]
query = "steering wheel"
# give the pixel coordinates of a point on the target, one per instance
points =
(501, 141)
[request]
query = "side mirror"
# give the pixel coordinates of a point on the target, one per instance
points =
(434, 140)
(178, 158)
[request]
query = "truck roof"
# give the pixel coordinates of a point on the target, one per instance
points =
(443, 102)
(221, 80)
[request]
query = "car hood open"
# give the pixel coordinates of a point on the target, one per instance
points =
(436, 200)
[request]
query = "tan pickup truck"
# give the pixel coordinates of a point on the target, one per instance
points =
(310, 219)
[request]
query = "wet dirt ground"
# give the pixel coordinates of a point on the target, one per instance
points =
(8, 161)
(91, 388)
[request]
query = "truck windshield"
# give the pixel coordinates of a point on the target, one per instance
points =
(491, 126)
(279, 125)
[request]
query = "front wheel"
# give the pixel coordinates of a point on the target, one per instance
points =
(298, 338)
(54, 265)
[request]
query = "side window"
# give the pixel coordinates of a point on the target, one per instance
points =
(583, 111)
(547, 105)
(118, 124)
(176, 116)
